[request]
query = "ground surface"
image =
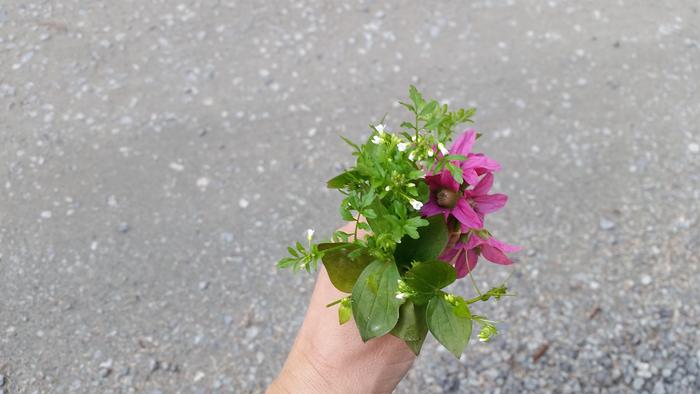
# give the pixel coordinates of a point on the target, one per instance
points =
(156, 157)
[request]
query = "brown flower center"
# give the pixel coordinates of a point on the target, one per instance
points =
(447, 198)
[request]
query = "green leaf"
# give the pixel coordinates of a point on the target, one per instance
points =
(369, 213)
(456, 172)
(342, 269)
(408, 125)
(344, 311)
(428, 247)
(429, 108)
(341, 180)
(433, 123)
(416, 97)
(426, 278)
(347, 141)
(374, 303)
(412, 326)
(450, 330)
(411, 231)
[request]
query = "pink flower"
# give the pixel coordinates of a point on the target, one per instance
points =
(464, 255)
(476, 164)
(446, 198)
(484, 203)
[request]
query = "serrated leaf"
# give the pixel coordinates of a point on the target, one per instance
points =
(428, 247)
(416, 97)
(429, 108)
(343, 270)
(374, 303)
(412, 326)
(450, 330)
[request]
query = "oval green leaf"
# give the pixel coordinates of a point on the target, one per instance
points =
(412, 326)
(342, 270)
(451, 330)
(374, 303)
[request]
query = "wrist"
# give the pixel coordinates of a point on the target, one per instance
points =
(300, 374)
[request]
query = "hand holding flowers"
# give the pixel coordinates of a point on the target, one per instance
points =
(423, 207)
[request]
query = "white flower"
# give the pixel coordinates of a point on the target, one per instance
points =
(442, 148)
(412, 156)
(387, 188)
(430, 153)
(411, 184)
(413, 138)
(402, 146)
(380, 128)
(309, 234)
(401, 296)
(377, 139)
(416, 204)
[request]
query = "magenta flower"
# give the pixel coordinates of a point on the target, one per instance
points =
(465, 255)
(482, 202)
(446, 198)
(476, 164)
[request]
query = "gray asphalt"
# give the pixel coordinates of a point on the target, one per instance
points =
(157, 157)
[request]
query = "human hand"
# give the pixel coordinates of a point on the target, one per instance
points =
(330, 358)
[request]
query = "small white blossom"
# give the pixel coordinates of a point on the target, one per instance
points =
(377, 139)
(413, 138)
(401, 296)
(402, 146)
(387, 188)
(430, 153)
(380, 128)
(412, 156)
(442, 148)
(411, 184)
(416, 204)
(309, 234)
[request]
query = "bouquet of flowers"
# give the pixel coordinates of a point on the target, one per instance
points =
(420, 210)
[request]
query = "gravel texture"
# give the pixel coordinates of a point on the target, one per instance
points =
(156, 158)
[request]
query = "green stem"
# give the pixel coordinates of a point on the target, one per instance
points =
(474, 284)
(336, 302)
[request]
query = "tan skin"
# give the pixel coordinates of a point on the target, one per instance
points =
(328, 358)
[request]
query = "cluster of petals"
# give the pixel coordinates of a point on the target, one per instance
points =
(468, 205)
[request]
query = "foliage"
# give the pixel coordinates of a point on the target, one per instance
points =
(393, 274)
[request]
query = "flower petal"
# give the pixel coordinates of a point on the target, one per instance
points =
(486, 164)
(506, 248)
(448, 181)
(431, 208)
(449, 254)
(495, 255)
(466, 215)
(466, 262)
(483, 186)
(474, 241)
(463, 144)
(490, 203)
